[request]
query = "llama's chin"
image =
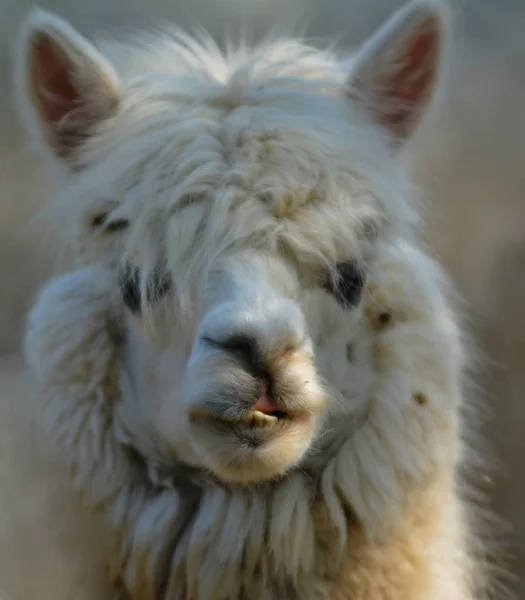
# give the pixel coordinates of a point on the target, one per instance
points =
(253, 453)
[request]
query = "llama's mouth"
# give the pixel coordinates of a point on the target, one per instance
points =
(264, 413)
(261, 419)
(255, 434)
(267, 410)
(253, 419)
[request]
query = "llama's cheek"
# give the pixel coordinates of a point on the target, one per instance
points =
(169, 413)
(156, 376)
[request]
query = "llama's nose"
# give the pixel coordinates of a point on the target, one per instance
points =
(257, 335)
(252, 359)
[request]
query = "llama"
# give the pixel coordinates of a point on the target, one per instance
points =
(253, 373)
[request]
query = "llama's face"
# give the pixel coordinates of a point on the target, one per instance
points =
(225, 328)
(240, 205)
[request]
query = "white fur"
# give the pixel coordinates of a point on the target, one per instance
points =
(247, 178)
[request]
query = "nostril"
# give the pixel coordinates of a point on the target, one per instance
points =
(243, 347)
(240, 344)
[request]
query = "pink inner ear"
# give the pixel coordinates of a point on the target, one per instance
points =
(58, 96)
(54, 88)
(408, 87)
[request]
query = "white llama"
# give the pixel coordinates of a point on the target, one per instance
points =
(253, 373)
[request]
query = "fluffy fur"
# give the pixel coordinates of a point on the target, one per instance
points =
(246, 179)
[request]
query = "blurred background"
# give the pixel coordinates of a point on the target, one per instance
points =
(469, 159)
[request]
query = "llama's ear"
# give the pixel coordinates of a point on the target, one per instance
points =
(65, 86)
(394, 74)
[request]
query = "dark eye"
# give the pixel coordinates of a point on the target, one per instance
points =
(98, 220)
(130, 280)
(347, 286)
(116, 225)
(103, 221)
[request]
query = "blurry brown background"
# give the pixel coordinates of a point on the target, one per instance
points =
(470, 158)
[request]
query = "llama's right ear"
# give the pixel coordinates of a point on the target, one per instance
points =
(65, 86)
(395, 73)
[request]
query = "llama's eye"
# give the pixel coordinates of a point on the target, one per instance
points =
(103, 221)
(347, 285)
(157, 287)
(98, 220)
(116, 225)
(129, 280)
(160, 284)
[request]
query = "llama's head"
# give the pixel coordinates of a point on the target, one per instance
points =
(239, 202)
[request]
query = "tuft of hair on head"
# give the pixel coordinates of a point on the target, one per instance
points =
(65, 86)
(394, 75)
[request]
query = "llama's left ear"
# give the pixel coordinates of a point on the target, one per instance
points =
(394, 74)
(65, 86)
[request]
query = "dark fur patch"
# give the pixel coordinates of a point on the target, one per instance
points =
(421, 399)
(385, 318)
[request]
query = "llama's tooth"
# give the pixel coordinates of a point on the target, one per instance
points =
(260, 417)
